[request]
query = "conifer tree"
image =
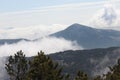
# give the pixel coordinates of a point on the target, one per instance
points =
(17, 66)
(43, 68)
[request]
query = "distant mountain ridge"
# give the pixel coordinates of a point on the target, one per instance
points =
(11, 41)
(89, 37)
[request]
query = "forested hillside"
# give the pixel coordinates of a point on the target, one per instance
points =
(94, 61)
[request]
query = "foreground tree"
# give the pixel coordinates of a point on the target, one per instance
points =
(17, 66)
(114, 73)
(43, 68)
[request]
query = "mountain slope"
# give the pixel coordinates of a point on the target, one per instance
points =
(94, 62)
(88, 37)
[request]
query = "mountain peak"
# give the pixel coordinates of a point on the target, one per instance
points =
(75, 24)
(77, 27)
(90, 38)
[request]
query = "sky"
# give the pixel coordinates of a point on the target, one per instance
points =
(35, 18)
(16, 5)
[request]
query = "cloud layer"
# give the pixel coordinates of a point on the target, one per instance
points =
(47, 44)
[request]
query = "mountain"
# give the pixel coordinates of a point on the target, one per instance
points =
(93, 61)
(90, 38)
(11, 41)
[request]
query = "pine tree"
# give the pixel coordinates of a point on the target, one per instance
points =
(81, 76)
(43, 68)
(17, 66)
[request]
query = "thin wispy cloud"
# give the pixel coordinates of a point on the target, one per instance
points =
(60, 7)
(59, 14)
(63, 6)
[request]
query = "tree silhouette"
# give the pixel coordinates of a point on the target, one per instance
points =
(17, 66)
(43, 68)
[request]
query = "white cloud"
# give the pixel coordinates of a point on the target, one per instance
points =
(108, 17)
(47, 44)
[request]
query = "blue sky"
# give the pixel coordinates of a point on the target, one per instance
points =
(16, 5)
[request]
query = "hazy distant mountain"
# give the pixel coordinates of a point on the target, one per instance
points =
(88, 37)
(93, 62)
(11, 41)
